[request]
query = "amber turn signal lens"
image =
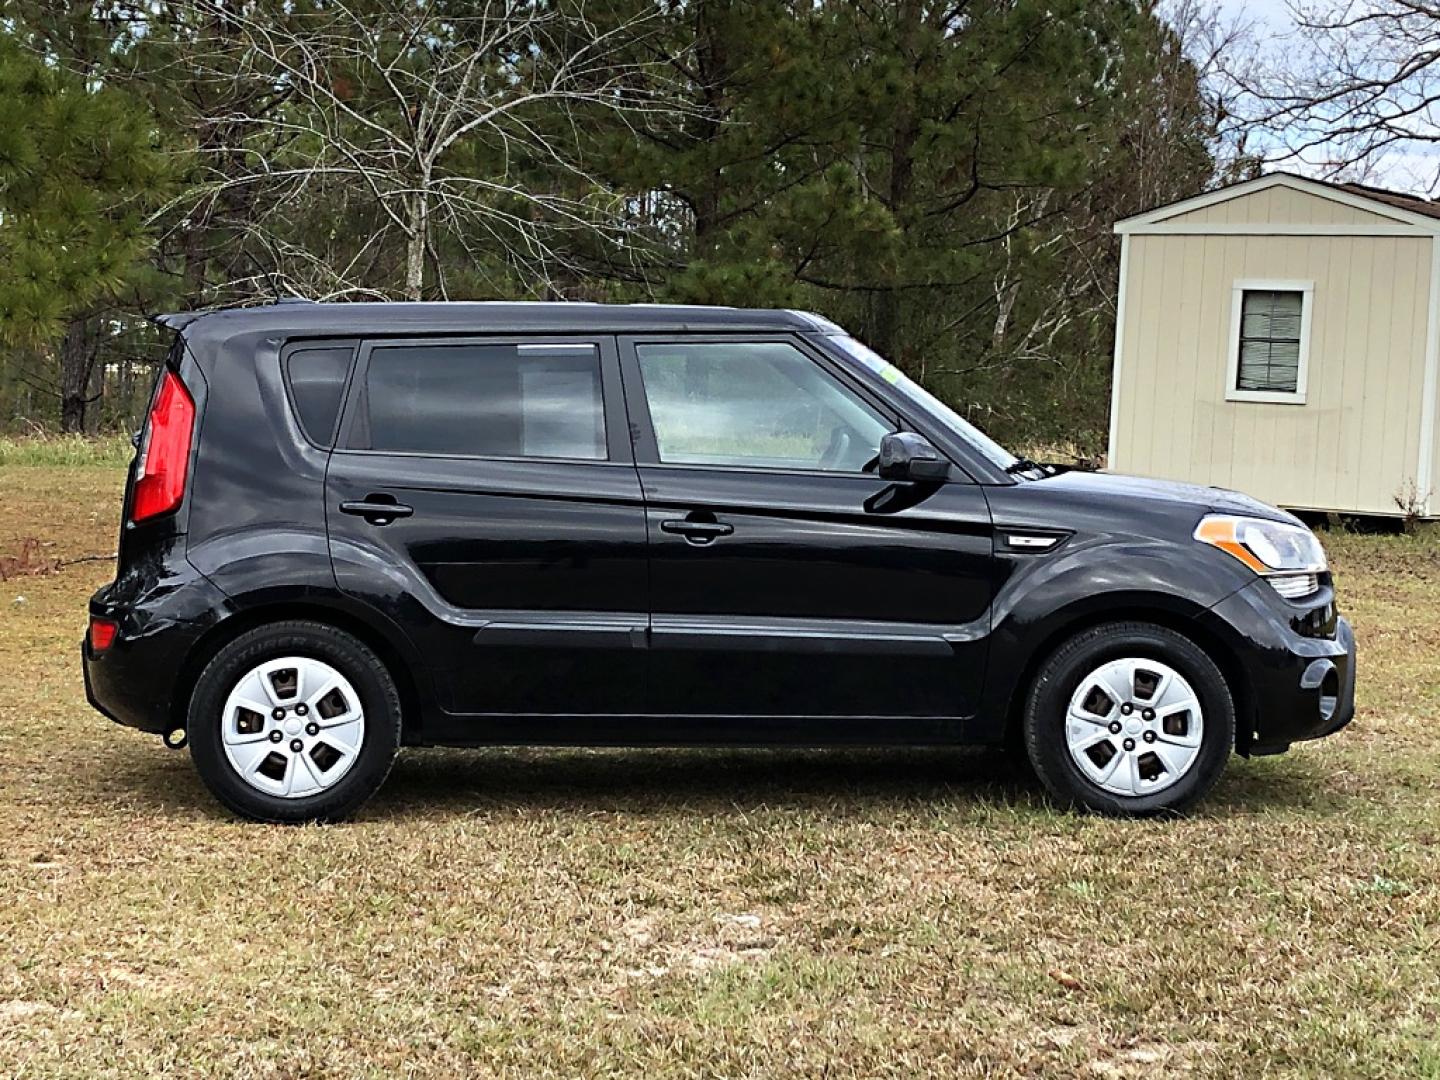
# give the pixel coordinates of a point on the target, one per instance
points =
(1222, 533)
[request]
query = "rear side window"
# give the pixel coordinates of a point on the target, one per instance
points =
(483, 400)
(317, 382)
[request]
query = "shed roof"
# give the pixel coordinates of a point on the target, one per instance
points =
(1397, 212)
(1414, 203)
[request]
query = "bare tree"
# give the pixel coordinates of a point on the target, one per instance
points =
(1171, 142)
(1357, 82)
(429, 120)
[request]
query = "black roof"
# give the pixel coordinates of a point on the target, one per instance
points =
(1414, 203)
(561, 316)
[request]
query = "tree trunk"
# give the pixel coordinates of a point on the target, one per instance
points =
(709, 125)
(77, 363)
(94, 396)
(416, 243)
(889, 313)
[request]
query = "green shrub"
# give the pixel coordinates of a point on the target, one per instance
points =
(107, 450)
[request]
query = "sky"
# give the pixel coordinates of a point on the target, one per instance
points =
(1267, 11)
(1415, 170)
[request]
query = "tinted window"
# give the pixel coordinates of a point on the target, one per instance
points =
(317, 379)
(483, 400)
(762, 404)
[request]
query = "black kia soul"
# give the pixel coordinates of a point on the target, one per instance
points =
(354, 527)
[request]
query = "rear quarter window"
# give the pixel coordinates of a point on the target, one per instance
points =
(316, 377)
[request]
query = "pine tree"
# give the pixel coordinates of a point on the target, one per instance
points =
(79, 167)
(913, 170)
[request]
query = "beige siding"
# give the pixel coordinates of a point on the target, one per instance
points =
(1279, 206)
(1356, 440)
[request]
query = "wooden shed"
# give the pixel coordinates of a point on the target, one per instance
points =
(1281, 337)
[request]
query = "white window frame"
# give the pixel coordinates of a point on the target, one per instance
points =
(1232, 368)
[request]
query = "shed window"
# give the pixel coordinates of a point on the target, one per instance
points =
(1270, 322)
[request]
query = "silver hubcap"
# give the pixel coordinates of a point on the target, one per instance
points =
(292, 727)
(1134, 727)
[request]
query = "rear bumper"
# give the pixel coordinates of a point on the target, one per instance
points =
(135, 680)
(1299, 687)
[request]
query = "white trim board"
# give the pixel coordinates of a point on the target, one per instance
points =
(1119, 350)
(1232, 367)
(1424, 472)
(1262, 229)
(1426, 226)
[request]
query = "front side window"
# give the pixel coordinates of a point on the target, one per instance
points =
(916, 394)
(755, 404)
(483, 400)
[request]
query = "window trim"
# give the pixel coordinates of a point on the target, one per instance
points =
(647, 447)
(612, 405)
(1232, 371)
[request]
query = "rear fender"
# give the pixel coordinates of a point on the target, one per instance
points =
(256, 601)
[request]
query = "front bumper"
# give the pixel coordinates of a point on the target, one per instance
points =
(1298, 686)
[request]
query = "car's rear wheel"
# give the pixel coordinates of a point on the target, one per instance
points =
(1129, 719)
(295, 721)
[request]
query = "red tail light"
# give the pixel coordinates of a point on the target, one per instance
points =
(164, 462)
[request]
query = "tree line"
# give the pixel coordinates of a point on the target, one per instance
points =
(940, 178)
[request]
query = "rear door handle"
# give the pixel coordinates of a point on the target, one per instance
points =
(377, 510)
(697, 532)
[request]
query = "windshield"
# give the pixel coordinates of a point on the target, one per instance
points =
(927, 401)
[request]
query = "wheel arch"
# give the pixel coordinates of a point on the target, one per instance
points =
(1160, 614)
(396, 658)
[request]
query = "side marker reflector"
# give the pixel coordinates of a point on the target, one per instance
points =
(102, 633)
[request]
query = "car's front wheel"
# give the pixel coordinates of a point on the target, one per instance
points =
(1129, 719)
(294, 721)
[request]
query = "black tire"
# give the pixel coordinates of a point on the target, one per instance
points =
(367, 674)
(1059, 676)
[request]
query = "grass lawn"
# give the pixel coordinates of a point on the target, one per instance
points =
(709, 913)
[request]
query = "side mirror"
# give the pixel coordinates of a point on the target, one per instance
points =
(907, 456)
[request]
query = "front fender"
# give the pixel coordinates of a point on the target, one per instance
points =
(1045, 598)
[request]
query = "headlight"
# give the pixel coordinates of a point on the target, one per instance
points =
(1268, 547)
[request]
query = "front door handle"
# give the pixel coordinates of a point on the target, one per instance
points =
(377, 509)
(697, 532)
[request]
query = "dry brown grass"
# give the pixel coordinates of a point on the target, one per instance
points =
(710, 913)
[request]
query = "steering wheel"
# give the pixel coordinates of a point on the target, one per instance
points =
(839, 446)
